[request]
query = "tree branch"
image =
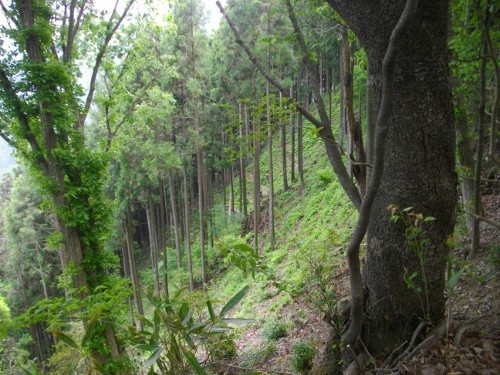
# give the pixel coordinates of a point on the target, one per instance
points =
(381, 128)
(130, 109)
(16, 106)
(482, 218)
(109, 35)
(6, 13)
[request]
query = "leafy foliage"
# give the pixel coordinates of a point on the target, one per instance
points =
(303, 354)
(179, 327)
(274, 329)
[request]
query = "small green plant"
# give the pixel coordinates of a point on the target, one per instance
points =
(223, 348)
(418, 240)
(325, 175)
(174, 334)
(303, 354)
(274, 329)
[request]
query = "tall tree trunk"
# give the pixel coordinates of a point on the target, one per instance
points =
(162, 233)
(270, 179)
(153, 244)
(175, 216)
(187, 230)
(134, 276)
(300, 147)
(243, 157)
(201, 212)
(479, 154)
(465, 145)
(370, 124)
(40, 270)
(256, 186)
(34, 347)
(292, 140)
(231, 192)
(418, 167)
(356, 152)
(284, 170)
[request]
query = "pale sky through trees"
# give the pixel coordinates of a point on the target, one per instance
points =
(213, 19)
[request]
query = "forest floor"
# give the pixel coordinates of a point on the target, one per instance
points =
(467, 341)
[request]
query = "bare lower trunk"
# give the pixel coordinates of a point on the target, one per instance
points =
(134, 276)
(355, 151)
(187, 228)
(201, 214)
(256, 188)
(150, 214)
(175, 216)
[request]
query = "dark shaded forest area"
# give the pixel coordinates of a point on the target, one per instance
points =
(310, 187)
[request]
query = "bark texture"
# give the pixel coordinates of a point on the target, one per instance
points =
(418, 167)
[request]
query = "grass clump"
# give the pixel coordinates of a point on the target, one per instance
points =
(274, 329)
(303, 354)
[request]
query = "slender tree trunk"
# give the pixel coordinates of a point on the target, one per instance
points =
(201, 212)
(356, 153)
(270, 148)
(162, 233)
(370, 124)
(243, 165)
(300, 147)
(256, 187)
(151, 218)
(342, 117)
(465, 145)
(231, 193)
(34, 347)
(134, 276)
(187, 230)
(479, 154)
(292, 140)
(175, 215)
(40, 271)
(283, 149)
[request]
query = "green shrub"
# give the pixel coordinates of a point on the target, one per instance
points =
(303, 354)
(274, 329)
(223, 348)
(325, 175)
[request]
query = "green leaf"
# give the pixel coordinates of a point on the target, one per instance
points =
(148, 347)
(186, 320)
(234, 301)
(195, 364)
(153, 358)
(429, 218)
(65, 338)
(89, 331)
(455, 277)
(211, 310)
(218, 329)
(98, 367)
(244, 247)
(237, 321)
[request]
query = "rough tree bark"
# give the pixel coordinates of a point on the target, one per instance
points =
(418, 164)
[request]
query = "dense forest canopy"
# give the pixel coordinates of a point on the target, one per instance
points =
(179, 186)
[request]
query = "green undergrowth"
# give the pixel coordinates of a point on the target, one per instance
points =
(313, 223)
